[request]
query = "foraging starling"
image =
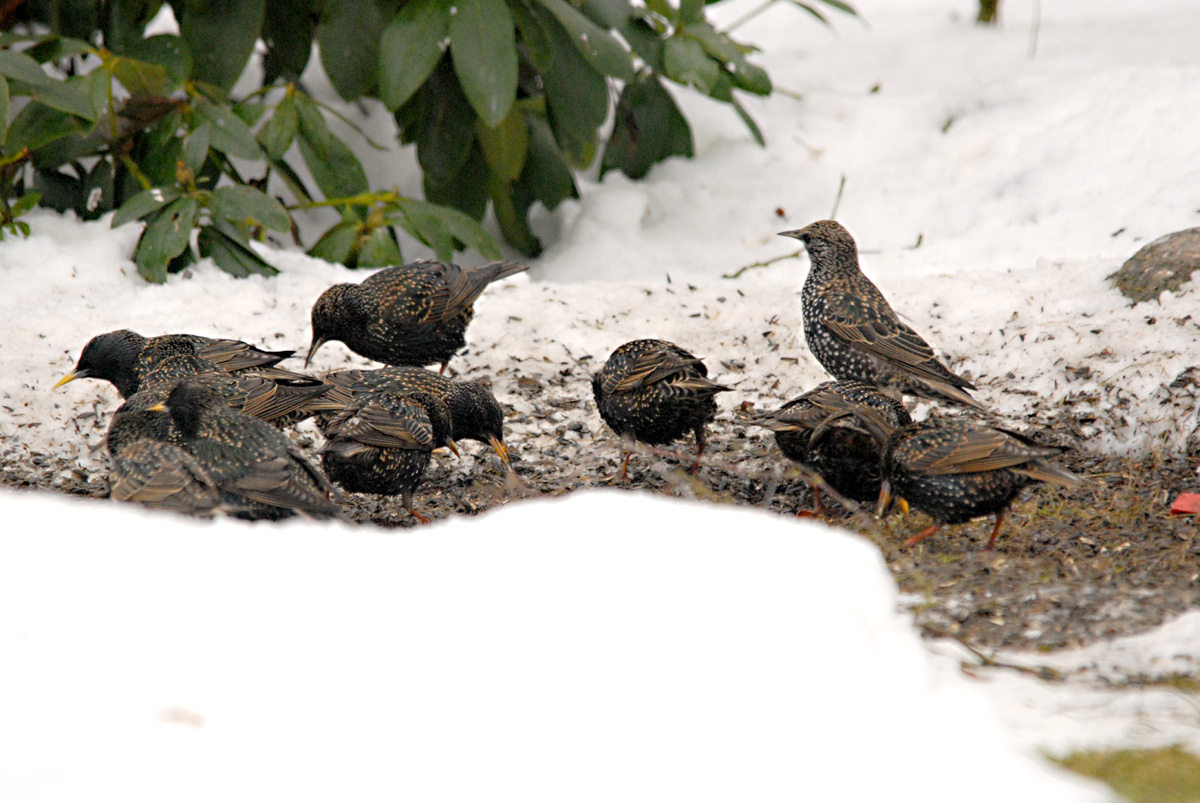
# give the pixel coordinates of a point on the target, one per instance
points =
(853, 331)
(156, 473)
(118, 357)
(955, 470)
(654, 392)
(381, 444)
(258, 469)
(474, 412)
(412, 314)
(838, 429)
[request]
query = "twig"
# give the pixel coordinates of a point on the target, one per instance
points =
(764, 264)
(838, 200)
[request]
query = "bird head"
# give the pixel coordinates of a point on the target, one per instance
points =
(329, 317)
(827, 241)
(110, 356)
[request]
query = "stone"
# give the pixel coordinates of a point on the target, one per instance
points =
(1165, 264)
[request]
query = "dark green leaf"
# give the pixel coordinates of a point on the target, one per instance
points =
(293, 181)
(165, 237)
(287, 33)
(378, 249)
(168, 51)
(280, 129)
(749, 121)
(220, 35)
(439, 226)
(333, 165)
(685, 61)
(602, 51)
(239, 203)
(57, 191)
(140, 77)
(608, 13)
(159, 148)
(3, 108)
(647, 128)
(546, 177)
(338, 244)
(23, 204)
(230, 255)
(466, 190)
(576, 98)
(195, 147)
(445, 128)
(513, 222)
(538, 45)
(505, 146)
(691, 11)
(752, 79)
(809, 8)
(126, 20)
(98, 191)
(840, 6)
(348, 36)
(410, 47)
(22, 68)
(56, 48)
(485, 56)
(72, 96)
(145, 202)
(229, 134)
(75, 17)
(37, 125)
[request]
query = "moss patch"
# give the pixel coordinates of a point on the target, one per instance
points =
(1162, 775)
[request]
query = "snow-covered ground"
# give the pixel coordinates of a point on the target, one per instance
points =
(536, 652)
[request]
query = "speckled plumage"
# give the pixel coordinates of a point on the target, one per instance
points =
(381, 443)
(120, 357)
(655, 392)
(260, 472)
(156, 473)
(853, 331)
(838, 430)
(955, 470)
(413, 314)
(474, 411)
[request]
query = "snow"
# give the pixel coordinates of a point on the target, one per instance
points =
(537, 653)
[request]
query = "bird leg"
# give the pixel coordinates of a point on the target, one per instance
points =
(418, 516)
(817, 508)
(995, 531)
(442, 370)
(625, 465)
(700, 442)
(921, 536)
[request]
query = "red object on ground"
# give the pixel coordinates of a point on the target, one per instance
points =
(1186, 503)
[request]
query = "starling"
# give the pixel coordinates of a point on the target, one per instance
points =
(118, 357)
(654, 392)
(257, 468)
(381, 443)
(955, 470)
(474, 412)
(412, 314)
(838, 429)
(156, 473)
(853, 331)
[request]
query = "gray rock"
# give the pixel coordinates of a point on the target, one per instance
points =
(1165, 264)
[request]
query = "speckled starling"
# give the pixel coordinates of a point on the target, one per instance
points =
(838, 430)
(117, 357)
(954, 470)
(381, 444)
(474, 411)
(413, 314)
(158, 474)
(655, 392)
(260, 472)
(853, 331)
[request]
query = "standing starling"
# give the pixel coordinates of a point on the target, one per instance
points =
(381, 444)
(955, 470)
(156, 473)
(474, 412)
(838, 429)
(654, 392)
(412, 314)
(853, 331)
(118, 357)
(258, 469)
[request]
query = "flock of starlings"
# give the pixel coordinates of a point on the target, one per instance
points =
(200, 428)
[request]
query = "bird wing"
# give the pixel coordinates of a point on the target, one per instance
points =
(977, 450)
(374, 424)
(653, 366)
(279, 480)
(165, 476)
(270, 399)
(235, 355)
